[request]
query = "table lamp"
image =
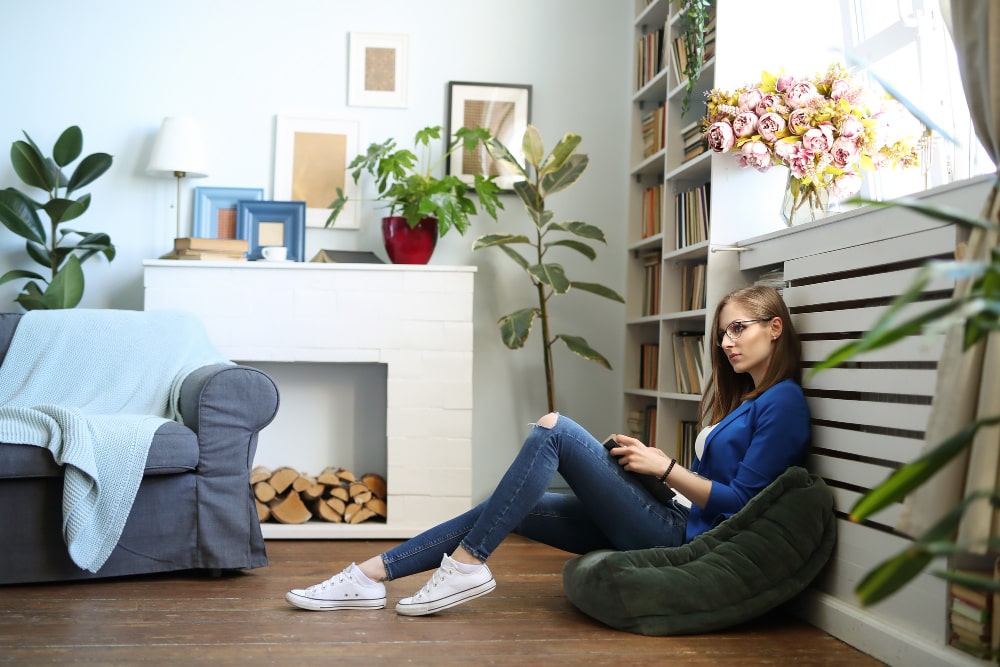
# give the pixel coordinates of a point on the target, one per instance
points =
(179, 152)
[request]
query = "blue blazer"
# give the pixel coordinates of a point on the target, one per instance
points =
(748, 449)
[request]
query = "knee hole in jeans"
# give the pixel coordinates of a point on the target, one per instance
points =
(549, 420)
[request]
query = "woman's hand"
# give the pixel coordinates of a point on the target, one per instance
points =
(634, 456)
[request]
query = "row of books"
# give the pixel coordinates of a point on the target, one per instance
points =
(642, 424)
(651, 222)
(650, 55)
(695, 141)
(652, 269)
(693, 286)
(649, 364)
(654, 130)
(207, 249)
(688, 349)
(973, 618)
(691, 216)
(687, 433)
(679, 49)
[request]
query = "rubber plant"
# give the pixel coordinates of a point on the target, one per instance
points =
(544, 176)
(695, 16)
(60, 250)
(406, 183)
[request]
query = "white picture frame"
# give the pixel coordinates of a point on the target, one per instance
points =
(378, 70)
(311, 158)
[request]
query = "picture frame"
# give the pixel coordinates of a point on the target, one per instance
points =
(378, 70)
(311, 156)
(271, 223)
(215, 210)
(502, 108)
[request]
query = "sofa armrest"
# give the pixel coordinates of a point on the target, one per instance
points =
(227, 405)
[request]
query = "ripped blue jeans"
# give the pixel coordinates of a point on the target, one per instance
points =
(608, 509)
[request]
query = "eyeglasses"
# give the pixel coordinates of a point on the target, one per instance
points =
(736, 328)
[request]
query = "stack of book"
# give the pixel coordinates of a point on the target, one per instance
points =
(687, 433)
(652, 263)
(654, 130)
(648, 57)
(212, 250)
(652, 207)
(691, 216)
(693, 286)
(680, 49)
(688, 352)
(970, 620)
(695, 140)
(649, 362)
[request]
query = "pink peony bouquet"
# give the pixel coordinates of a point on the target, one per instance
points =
(826, 129)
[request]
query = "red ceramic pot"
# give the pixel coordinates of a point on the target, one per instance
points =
(409, 245)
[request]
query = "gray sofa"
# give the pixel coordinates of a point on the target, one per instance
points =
(194, 508)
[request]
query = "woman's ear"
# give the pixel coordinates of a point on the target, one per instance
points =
(777, 326)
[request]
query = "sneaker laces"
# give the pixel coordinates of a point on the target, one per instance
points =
(438, 577)
(338, 578)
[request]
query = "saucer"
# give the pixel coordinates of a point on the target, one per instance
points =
(273, 261)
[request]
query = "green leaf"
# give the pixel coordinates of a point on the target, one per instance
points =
(516, 327)
(904, 480)
(500, 153)
(17, 274)
(583, 349)
(563, 150)
(17, 213)
(68, 147)
(579, 246)
(336, 207)
(942, 213)
(424, 136)
(533, 203)
(487, 191)
(599, 290)
(532, 145)
(582, 229)
(516, 256)
(32, 167)
(565, 176)
(66, 288)
(89, 169)
(39, 253)
(552, 275)
(61, 210)
(91, 244)
(490, 240)
(31, 297)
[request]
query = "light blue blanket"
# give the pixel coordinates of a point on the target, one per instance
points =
(93, 386)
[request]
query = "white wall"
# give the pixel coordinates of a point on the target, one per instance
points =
(116, 68)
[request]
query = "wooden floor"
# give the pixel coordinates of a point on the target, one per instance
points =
(242, 619)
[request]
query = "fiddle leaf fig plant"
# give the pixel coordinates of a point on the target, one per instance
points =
(60, 250)
(544, 176)
(406, 184)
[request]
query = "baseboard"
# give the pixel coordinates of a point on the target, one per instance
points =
(867, 632)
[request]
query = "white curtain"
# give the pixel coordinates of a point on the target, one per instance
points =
(968, 382)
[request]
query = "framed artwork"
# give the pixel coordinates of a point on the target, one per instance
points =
(273, 223)
(215, 210)
(503, 109)
(378, 70)
(310, 162)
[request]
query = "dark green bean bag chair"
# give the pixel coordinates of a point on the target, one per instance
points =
(760, 557)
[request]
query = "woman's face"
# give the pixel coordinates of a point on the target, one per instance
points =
(751, 351)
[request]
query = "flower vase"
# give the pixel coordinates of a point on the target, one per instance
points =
(804, 203)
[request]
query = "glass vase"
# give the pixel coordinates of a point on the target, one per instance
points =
(804, 203)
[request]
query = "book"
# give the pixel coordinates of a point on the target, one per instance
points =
(207, 256)
(661, 492)
(214, 245)
(972, 612)
(345, 257)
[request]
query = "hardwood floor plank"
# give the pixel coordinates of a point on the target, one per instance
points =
(242, 619)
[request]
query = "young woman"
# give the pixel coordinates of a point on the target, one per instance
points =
(758, 425)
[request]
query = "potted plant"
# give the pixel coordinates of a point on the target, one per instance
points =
(542, 177)
(422, 207)
(60, 250)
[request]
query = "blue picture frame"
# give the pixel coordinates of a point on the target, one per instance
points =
(209, 201)
(286, 222)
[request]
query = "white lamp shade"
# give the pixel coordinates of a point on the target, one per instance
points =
(178, 148)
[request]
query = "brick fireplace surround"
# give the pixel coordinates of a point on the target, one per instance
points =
(415, 319)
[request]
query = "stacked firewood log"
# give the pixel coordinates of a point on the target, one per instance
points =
(336, 495)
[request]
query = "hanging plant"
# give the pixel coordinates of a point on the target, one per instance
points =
(695, 17)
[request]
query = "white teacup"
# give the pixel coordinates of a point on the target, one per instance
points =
(274, 253)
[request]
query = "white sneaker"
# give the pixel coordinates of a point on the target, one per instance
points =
(341, 591)
(448, 587)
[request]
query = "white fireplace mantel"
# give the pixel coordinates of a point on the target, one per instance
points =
(417, 320)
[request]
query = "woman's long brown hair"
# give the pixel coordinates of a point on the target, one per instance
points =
(726, 388)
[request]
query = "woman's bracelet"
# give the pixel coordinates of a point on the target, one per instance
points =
(663, 477)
